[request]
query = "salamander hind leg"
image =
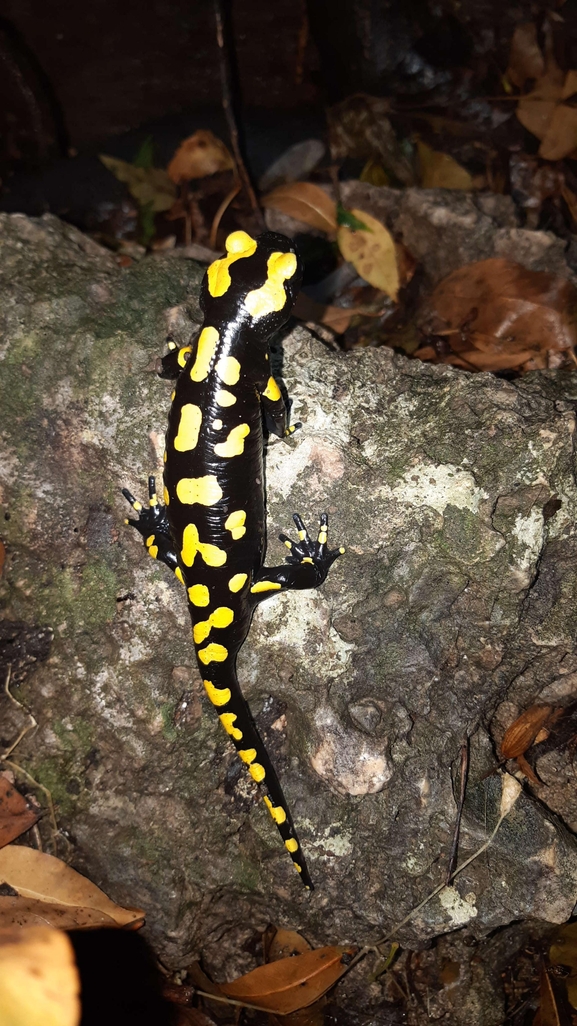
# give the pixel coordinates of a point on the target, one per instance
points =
(152, 524)
(307, 563)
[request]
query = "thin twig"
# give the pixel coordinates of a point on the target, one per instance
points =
(224, 49)
(4, 760)
(31, 725)
(462, 789)
(375, 947)
(217, 217)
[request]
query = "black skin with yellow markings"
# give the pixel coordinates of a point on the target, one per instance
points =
(211, 528)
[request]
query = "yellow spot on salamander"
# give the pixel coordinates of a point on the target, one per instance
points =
(322, 538)
(225, 398)
(238, 245)
(206, 349)
(153, 500)
(307, 559)
(234, 445)
(153, 551)
(211, 554)
(218, 696)
(228, 369)
(235, 524)
(237, 582)
(272, 296)
(227, 720)
(217, 424)
(178, 574)
(213, 654)
(298, 868)
(188, 428)
(265, 586)
(199, 595)
(257, 772)
(221, 617)
(205, 490)
(248, 755)
(291, 845)
(149, 541)
(182, 355)
(276, 811)
(166, 496)
(172, 396)
(272, 391)
(164, 456)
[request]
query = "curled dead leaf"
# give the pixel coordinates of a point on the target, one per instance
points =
(36, 875)
(291, 983)
(305, 202)
(545, 113)
(523, 732)
(372, 252)
(39, 983)
(203, 153)
(16, 816)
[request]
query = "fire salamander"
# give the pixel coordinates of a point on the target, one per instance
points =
(211, 528)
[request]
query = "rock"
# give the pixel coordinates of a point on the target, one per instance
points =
(455, 594)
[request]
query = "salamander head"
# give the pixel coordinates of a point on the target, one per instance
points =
(255, 284)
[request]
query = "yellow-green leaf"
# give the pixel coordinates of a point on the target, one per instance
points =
(372, 253)
(441, 171)
(147, 185)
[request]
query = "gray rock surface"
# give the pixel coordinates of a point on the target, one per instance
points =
(456, 594)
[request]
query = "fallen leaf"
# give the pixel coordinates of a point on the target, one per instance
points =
(551, 1003)
(147, 185)
(39, 984)
(16, 816)
(525, 57)
(203, 153)
(544, 113)
(305, 202)
(522, 733)
(441, 171)
(19, 911)
(338, 318)
(286, 944)
(34, 874)
(360, 127)
(495, 314)
(372, 253)
(285, 986)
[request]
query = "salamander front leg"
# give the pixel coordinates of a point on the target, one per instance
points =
(152, 524)
(307, 564)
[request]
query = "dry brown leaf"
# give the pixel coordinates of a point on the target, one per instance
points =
(39, 984)
(495, 314)
(292, 983)
(201, 154)
(441, 171)
(545, 114)
(338, 318)
(286, 944)
(525, 57)
(19, 911)
(34, 874)
(148, 185)
(550, 1012)
(372, 253)
(16, 816)
(522, 733)
(305, 202)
